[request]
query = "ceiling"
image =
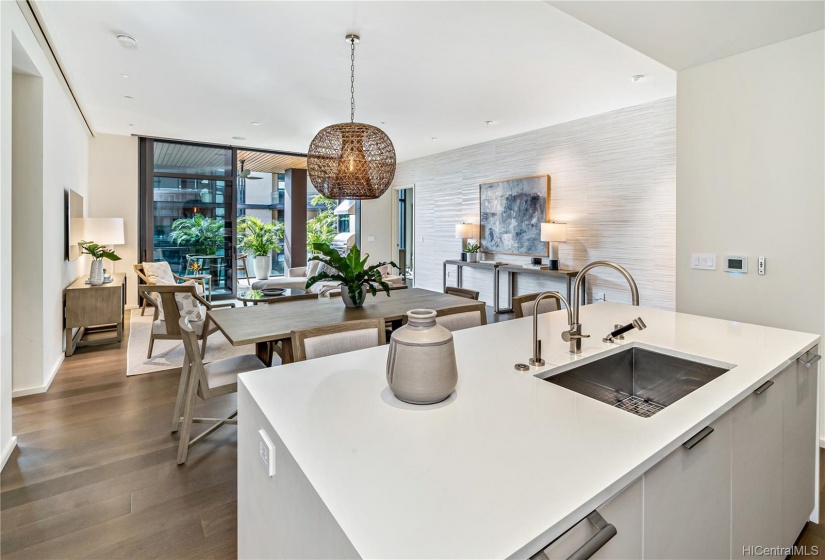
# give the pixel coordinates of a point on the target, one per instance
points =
(268, 162)
(683, 34)
(204, 71)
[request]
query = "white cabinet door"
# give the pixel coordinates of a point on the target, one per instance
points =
(757, 470)
(687, 500)
(799, 447)
(623, 511)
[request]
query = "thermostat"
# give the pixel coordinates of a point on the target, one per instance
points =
(736, 264)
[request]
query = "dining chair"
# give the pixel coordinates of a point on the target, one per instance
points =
(462, 317)
(461, 292)
(153, 272)
(349, 336)
(205, 381)
(176, 301)
(242, 266)
(523, 305)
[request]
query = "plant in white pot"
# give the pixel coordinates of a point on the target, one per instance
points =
(260, 239)
(98, 253)
(350, 271)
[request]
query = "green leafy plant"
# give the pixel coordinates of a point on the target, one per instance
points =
(98, 252)
(203, 235)
(323, 227)
(258, 238)
(351, 271)
(472, 248)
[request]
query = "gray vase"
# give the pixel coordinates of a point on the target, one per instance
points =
(96, 273)
(348, 301)
(421, 365)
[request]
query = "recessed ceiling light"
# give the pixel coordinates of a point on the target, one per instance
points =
(434, 138)
(383, 122)
(124, 76)
(128, 97)
(488, 123)
(238, 138)
(127, 41)
(255, 123)
(637, 78)
(131, 124)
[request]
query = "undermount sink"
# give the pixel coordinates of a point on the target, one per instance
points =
(637, 380)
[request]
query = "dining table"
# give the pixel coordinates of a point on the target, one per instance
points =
(269, 327)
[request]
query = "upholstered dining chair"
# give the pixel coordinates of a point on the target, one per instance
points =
(349, 336)
(205, 381)
(461, 292)
(176, 301)
(523, 305)
(160, 272)
(463, 317)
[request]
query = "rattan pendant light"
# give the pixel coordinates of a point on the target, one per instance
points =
(351, 160)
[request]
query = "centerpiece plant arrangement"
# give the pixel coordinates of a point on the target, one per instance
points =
(260, 239)
(350, 271)
(472, 252)
(98, 253)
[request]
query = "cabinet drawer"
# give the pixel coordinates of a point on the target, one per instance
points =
(623, 511)
(101, 305)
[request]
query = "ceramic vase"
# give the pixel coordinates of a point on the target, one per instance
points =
(96, 273)
(348, 300)
(263, 264)
(421, 365)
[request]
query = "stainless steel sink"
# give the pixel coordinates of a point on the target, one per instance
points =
(637, 380)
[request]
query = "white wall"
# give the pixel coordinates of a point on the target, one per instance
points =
(751, 177)
(376, 228)
(612, 180)
(113, 193)
(65, 165)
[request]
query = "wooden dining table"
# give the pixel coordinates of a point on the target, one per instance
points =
(270, 326)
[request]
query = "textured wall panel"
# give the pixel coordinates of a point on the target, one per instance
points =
(612, 179)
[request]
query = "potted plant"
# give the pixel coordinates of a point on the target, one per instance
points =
(203, 235)
(472, 252)
(350, 271)
(260, 239)
(98, 253)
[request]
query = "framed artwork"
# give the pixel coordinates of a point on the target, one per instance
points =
(511, 214)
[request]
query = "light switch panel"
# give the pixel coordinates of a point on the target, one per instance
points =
(370, 238)
(703, 261)
(266, 450)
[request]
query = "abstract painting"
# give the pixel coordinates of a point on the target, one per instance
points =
(512, 212)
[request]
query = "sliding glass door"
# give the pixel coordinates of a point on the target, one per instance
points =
(187, 211)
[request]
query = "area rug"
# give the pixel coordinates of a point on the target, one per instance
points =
(168, 354)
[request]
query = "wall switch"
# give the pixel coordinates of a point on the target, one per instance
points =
(761, 266)
(370, 238)
(266, 450)
(703, 261)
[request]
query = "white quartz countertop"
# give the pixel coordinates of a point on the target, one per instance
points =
(509, 462)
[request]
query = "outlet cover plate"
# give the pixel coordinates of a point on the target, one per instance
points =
(266, 450)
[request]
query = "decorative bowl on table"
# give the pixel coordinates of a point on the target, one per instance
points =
(273, 291)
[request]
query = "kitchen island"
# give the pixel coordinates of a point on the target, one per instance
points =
(511, 463)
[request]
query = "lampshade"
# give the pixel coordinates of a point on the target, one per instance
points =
(554, 232)
(464, 231)
(104, 231)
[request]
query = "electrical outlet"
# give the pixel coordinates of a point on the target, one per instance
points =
(599, 296)
(266, 450)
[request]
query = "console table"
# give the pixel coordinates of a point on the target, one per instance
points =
(512, 270)
(94, 307)
(460, 266)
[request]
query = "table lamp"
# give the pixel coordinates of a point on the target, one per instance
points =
(554, 233)
(463, 232)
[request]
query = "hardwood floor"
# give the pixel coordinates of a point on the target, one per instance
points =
(95, 476)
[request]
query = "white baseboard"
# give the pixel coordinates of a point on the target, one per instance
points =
(40, 388)
(7, 451)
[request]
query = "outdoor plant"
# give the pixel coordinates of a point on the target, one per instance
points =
(323, 227)
(203, 235)
(98, 252)
(351, 271)
(257, 238)
(472, 248)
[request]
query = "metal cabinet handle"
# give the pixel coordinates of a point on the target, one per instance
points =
(810, 362)
(606, 532)
(692, 442)
(764, 387)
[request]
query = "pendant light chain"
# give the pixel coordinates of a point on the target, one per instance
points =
(352, 81)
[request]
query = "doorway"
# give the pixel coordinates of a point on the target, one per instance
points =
(403, 231)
